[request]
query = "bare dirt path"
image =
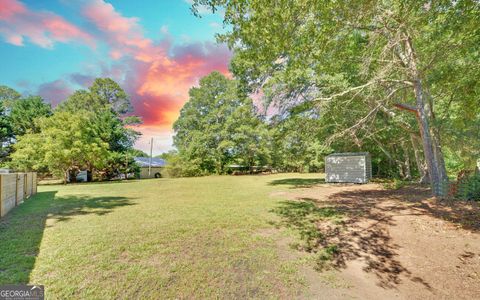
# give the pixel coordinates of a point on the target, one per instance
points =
(395, 244)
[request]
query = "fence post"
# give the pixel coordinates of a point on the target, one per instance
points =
(16, 189)
(1, 195)
(34, 179)
(24, 186)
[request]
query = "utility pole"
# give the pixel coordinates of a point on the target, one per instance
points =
(150, 164)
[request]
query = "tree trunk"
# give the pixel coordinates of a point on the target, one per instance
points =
(424, 178)
(433, 162)
(430, 158)
(66, 174)
(72, 175)
(437, 151)
(407, 172)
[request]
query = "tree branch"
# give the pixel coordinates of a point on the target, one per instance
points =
(406, 107)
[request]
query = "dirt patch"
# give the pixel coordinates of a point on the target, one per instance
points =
(396, 244)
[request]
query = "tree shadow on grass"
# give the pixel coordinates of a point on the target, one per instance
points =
(305, 217)
(298, 182)
(353, 225)
(21, 231)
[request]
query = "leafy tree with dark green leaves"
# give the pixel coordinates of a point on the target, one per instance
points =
(217, 126)
(387, 56)
(8, 96)
(18, 116)
(120, 164)
(249, 141)
(6, 134)
(106, 91)
(296, 139)
(67, 143)
(25, 111)
(167, 155)
(108, 102)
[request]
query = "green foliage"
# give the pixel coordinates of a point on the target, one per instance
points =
(6, 134)
(469, 188)
(297, 142)
(66, 142)
(177, 166)
(218, 126)
(107, 101)
(167, 155)
(108, 92)
(25, 112)
(8, 96)
(120, 164)
(18, 116)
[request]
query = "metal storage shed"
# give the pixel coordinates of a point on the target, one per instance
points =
(355, 167)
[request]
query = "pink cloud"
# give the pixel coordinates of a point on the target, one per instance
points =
(42, 28)
(157, 75)
(9, 8)
(123, 34)
(164, 82)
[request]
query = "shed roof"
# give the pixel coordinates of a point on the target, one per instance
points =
(145, 162)
(349, 154)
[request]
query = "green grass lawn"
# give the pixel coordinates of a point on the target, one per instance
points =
(163, 238)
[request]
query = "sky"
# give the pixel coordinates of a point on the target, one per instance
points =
(155, 49)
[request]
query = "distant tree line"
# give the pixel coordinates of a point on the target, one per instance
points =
(220, 130)
(88, 131)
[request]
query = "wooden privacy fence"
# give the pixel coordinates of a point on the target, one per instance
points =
(15, 188)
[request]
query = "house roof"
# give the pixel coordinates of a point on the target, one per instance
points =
(145, 162)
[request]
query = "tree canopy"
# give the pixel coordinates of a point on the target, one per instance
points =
(25, 111)
(87, 131)
(217, 126)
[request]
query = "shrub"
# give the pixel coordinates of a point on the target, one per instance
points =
(469, 188)
(179, 167)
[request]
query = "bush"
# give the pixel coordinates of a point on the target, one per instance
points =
(179, 167)
(469, 188)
